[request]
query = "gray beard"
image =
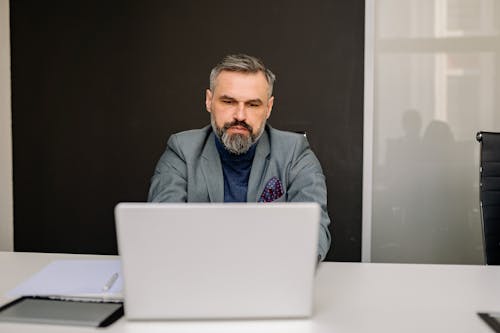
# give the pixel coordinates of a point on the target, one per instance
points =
(237, 144)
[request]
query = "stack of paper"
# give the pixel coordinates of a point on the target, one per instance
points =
(92, 280)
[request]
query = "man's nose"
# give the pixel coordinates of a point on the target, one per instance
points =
(240, 112)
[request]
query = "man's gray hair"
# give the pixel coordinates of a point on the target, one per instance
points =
(244, 64)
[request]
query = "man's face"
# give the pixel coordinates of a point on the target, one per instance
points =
(239, 107)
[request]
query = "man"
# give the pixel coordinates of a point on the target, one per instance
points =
(239, 158)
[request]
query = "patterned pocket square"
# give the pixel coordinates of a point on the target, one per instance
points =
(272, 191)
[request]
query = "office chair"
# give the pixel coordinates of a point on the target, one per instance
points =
(301, 132)
(489, 195)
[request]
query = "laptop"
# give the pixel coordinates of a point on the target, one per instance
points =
(217, 261)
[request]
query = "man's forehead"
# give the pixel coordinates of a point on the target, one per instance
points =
(230, 83)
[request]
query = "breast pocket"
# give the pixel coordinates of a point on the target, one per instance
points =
(273, 191)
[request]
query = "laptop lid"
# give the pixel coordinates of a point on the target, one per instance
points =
(217, 261)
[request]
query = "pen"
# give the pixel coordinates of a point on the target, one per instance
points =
(110, 282)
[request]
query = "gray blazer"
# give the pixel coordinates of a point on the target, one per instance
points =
(190, 170)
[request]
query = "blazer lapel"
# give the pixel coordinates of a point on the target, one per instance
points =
(259, 168)
(212, 170)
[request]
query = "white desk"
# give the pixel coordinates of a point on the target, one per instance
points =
(350, 297)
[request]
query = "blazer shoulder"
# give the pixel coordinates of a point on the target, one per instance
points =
(286, 140)
(191, 141)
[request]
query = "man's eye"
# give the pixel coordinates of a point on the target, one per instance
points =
(254, 105)
(227, 101)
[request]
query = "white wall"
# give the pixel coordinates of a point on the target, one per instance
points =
(6, 208)
(436, 68)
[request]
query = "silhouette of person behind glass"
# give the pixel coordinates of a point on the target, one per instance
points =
(403, 154)
(442, 216)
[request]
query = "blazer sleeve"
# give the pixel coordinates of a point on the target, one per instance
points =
(307, 184)
(169, 181)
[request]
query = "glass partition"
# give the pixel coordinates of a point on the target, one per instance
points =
(436, 66)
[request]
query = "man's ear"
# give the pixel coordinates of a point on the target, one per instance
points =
(270, 103)
(208, 100)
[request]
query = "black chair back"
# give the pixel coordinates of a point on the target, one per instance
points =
(489, 194)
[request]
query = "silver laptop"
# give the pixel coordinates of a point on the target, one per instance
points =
(217, 261)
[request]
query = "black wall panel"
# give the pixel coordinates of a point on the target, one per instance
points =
(98, 86)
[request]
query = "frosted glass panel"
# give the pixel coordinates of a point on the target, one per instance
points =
(436, 84)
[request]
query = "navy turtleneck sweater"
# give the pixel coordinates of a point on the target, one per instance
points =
(236, 170)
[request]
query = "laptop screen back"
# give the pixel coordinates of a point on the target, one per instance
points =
(208, 261)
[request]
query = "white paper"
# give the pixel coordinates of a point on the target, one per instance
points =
(74, 279)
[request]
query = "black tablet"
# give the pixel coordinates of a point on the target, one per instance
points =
(492, 319)
(43, 310)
